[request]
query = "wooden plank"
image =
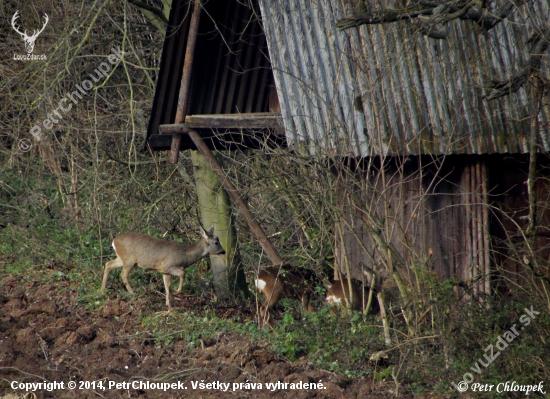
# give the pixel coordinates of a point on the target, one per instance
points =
(259, 120)
(178, 128)
(255, 120)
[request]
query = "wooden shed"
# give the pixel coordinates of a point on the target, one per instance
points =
(439, 167)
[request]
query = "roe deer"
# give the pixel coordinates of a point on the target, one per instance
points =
(284, 282)
(339, 288)
(167, 257)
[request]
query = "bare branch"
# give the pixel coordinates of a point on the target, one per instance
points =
(539, 44)
(383, 17)
(157, 14)
(488, 20)
(445, 11)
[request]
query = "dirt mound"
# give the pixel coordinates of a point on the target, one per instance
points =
(45, 338)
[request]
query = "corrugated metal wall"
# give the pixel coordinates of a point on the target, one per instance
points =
(387, 89)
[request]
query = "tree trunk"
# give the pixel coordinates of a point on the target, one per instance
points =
(215, 209)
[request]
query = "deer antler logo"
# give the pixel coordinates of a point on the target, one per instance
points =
(29, 40)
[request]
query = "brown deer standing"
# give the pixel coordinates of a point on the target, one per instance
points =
(285, 282)
(167, 257)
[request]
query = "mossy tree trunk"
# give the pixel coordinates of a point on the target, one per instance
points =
(215, 209)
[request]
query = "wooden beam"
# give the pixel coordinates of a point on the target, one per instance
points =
(260, 120)
(185, 80)
(257, 120)
(178, 128)
(257, 230)
(174, 152)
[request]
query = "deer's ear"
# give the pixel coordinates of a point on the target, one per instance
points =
(203, 232)
(211, 231)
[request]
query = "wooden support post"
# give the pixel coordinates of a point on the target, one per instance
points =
(185, 80)
(232, 191)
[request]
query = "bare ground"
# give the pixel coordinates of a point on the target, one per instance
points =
(45, 337)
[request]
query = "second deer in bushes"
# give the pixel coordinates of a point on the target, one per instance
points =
(167, 257)
(285, 282)
(338, 294)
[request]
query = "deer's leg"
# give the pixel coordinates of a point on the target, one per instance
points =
(181, 274)
(173, 271)
(305, 302)
(166, 278)
(271, 298)
(126, 269)
(176, 271)
(108, 267)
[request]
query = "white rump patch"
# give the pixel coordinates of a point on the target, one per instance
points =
(113, 244)
(331, 298)
(260, 284)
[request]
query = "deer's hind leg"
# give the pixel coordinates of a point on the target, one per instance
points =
(271, 298)
(126, 269)
(114, 264)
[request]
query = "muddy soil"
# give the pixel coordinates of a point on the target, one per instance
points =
(45, 337)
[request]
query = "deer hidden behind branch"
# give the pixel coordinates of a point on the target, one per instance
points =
(167, 257)
(285, 282)
(338, 293)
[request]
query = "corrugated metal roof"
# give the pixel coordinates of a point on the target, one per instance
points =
(165, 102)
(388, 89)
(231, 70)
